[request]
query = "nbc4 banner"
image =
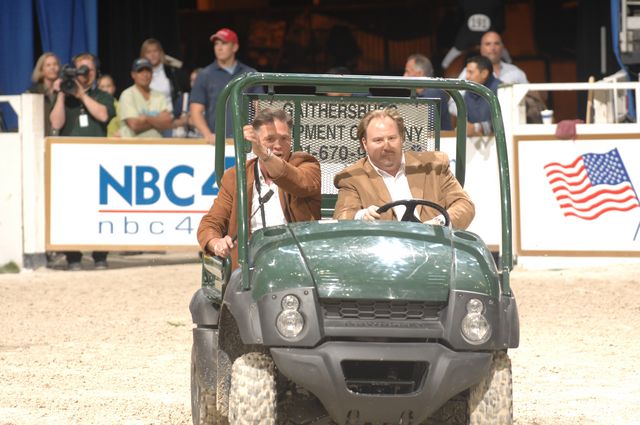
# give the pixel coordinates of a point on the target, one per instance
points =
(133, 194)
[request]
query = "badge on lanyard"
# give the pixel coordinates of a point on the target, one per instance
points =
(84, 118)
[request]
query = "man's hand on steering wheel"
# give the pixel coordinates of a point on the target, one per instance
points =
(436, 221)
(371, 213)
(411, 205)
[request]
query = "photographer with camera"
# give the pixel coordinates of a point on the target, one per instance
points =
(81, 110)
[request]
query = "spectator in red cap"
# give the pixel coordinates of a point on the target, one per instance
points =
(212, 79)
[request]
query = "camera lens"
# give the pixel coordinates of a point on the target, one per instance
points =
(83, 70)
(68, 76)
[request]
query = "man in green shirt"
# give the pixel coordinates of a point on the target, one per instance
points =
(143, 112)
(87, 111)
(83, 112)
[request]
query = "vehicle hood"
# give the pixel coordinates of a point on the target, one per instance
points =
(356, 260)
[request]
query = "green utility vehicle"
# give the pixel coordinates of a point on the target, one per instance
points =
(350, 322)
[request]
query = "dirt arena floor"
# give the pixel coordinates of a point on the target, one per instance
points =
(113, 347)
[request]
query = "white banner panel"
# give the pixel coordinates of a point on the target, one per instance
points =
(128, 195)
(482, 183)
(579, 197)
(133, 195)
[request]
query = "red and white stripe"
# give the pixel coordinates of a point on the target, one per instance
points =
(577, 197)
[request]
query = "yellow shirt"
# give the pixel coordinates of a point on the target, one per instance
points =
(113, 128)
(133, 104)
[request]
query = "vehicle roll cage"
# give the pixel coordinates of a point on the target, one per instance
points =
(233, 94)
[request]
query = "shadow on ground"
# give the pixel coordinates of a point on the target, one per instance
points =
(119, 260)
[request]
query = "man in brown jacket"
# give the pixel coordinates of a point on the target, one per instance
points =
(388, 174)
(294, 178)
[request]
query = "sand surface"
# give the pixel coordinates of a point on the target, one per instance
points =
(113, 346)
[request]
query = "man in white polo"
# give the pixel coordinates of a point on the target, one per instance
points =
(143, 112)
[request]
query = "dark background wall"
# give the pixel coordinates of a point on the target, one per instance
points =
(124, 25)
(552, 40)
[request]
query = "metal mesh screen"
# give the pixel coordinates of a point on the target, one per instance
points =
(326, 127)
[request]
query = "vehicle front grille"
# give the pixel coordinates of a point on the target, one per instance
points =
(383, 377)
(380, 310)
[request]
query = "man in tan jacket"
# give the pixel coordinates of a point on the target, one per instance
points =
(294, 178)
(388, 174)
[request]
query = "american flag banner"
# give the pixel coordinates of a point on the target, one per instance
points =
(593, 184)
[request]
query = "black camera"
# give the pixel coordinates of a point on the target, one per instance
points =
(68, 75)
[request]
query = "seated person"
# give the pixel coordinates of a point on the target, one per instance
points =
(294, 178)
(420, 66)
(388, 174)
(491, 47)
(478, 70)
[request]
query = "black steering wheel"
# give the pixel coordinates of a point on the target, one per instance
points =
(411, 205)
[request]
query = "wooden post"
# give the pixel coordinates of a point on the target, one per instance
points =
(590, 101)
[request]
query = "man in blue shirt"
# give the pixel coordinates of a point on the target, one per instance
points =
(479, 70)
(212, 79)
(420, 66)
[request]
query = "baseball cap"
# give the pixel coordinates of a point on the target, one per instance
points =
(141, 63)
(225, 34)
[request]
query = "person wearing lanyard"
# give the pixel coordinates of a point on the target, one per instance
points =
(388, 174)
(84, 111)
(283, 186)
(87, 111)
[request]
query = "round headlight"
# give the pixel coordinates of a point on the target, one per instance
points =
(289, 323)
(474, 305)
(290, 302)
(475, 328)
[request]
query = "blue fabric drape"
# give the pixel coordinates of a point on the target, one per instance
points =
(16, 52)
(91, 21)
(64, 27)
(67, 27)
(16, 45)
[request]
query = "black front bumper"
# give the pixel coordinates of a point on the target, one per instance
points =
(320, 370)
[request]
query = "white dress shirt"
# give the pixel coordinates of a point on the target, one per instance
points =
(273, 213)
(398, 187)
(160, 83)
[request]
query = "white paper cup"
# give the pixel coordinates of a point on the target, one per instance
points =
(547, 116)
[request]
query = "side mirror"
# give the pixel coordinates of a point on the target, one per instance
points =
(215, 272)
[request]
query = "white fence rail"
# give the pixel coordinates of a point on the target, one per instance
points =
(24, 184)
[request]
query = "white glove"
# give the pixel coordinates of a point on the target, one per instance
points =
(368, 214)
(436, 221)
